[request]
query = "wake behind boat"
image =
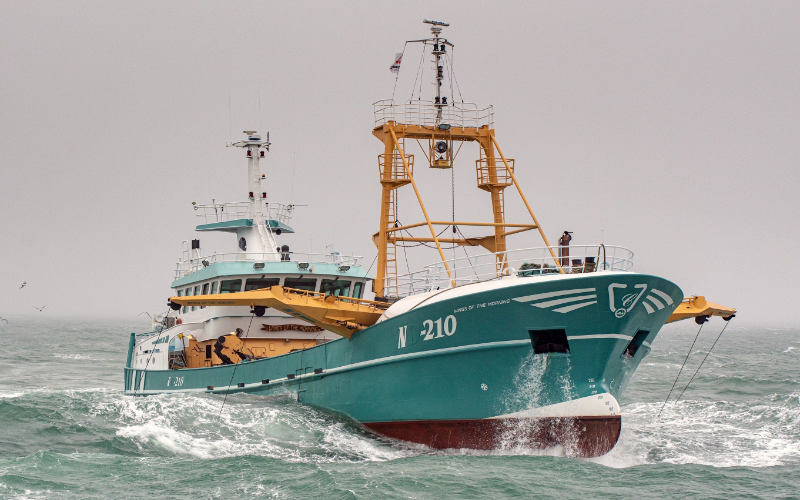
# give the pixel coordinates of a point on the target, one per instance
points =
(501, 347)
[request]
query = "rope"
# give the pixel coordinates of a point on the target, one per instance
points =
(704, 359)
(681, 370)
(452, 56)
(234, 368)
(370, 266)
(152, 351)
(453, 202)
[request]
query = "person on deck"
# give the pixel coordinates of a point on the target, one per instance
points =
(563, 248)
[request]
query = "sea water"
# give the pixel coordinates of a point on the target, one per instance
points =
(67, 431)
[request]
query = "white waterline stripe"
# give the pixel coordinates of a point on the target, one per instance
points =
(663, 295)
(545, 295)
(567, 309)
(564, 301)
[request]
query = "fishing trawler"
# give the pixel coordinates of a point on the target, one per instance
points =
(501, 347)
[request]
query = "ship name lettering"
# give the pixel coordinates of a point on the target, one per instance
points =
(175, 381)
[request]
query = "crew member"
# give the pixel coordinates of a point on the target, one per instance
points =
(563, 248)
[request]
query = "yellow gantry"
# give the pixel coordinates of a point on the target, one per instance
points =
(396, 170)
(692, 307)
(341, 315)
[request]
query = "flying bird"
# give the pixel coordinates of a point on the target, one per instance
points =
(3, 319)
(23, 285)
(40, 309)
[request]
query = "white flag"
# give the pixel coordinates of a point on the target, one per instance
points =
(398, 58)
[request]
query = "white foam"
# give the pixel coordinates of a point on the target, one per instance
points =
(719, 434)
(249, 425)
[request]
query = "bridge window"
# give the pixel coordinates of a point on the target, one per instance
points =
(309, 284)
(205, 292)
(196, 292)
(186, 292)
(214, 287)
(358, 289)
(230, 286)
(335, 287)
(257, 283)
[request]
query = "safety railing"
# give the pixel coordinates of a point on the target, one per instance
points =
(522, 262)
(495, 176)
(228, 211)
(460, 114)
(189, 266)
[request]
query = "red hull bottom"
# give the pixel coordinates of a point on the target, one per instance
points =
(578, 436)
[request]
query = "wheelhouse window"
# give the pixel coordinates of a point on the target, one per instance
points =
(230, 286)
(257, 283)
(337, 288)
(214, 287)
(186, 292)
(205, 292)
(196, 292)
(309, 284)
(358, 289)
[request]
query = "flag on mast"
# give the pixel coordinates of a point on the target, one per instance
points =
(398, 58)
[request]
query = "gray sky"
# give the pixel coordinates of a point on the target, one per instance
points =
(670, 128)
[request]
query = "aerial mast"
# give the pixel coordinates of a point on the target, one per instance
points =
(438, 51)
(262, 242)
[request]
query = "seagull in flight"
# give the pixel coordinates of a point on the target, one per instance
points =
(40, 309)
(3, 319)
(23, 285)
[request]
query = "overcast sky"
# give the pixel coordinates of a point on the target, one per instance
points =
(668, 127)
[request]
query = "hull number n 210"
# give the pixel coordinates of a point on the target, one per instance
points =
(431, 329)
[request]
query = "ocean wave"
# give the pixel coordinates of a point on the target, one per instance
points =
(250, 425)
(718, 434)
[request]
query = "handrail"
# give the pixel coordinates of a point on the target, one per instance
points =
(525, 262)
(188, 266)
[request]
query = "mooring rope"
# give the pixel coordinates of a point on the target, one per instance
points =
(727, 322)
(233, 373)
(681, 370)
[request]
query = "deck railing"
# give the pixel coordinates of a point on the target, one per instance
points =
(188, 266)
(459, 114)
(522, 262)
(228, 211)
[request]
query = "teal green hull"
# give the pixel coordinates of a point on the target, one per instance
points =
(479, 365)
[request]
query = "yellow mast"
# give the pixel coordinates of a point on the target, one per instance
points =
(440, 124)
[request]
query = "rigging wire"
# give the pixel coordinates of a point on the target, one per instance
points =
(397, 75)
(727, 322)
(452, 56)
(681, 370)
(233, 373)
(370, 266)
(418, 77)
(453, 204)
(161, 332)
